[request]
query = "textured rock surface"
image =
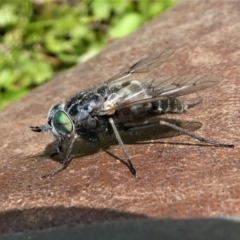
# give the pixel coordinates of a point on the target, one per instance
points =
(176, 177)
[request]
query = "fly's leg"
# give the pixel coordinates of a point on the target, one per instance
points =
(66, 160)
(196, 136)
(129, 163)
(42, 128)
(191, 105)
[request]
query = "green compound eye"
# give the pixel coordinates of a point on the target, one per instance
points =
(62, 123)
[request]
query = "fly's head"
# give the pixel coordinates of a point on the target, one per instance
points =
(59, 123)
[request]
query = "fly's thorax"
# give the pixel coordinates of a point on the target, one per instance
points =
(86, 106)
(60, 122)
(83, 109)
(103, 90)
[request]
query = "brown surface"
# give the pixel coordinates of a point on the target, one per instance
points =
(173, 180)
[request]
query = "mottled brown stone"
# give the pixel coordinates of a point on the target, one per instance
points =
(174, 178)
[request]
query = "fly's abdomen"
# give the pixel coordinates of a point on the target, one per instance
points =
(170, 105)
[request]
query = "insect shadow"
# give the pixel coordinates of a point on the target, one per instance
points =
(143, 136)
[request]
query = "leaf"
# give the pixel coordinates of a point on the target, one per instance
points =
(126, 25)
(7, 16)
(101, 9)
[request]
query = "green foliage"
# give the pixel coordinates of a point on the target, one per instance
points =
(41, 37)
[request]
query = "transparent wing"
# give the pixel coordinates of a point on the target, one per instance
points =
(176, 86)
(142, 66)
(168, 87)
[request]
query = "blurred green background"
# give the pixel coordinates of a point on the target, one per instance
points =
(39, 38)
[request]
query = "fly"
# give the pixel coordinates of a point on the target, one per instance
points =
(124, 103)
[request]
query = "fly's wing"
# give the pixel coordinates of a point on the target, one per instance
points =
(141, 66)
(177, 86)
(168, 87)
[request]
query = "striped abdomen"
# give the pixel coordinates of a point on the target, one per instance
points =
(170, 105)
